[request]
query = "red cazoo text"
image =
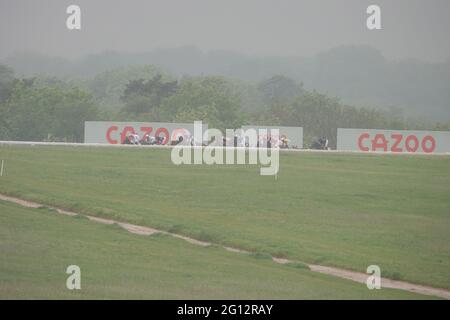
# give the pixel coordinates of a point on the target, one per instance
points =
(113, 136)
(396, 142)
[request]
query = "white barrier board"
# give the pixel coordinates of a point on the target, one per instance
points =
(398, 141)
(109, 132)
(293, 134)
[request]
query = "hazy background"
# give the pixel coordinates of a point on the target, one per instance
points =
(411, 28)
(310, 63)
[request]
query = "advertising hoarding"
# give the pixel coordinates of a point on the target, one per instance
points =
(398, 141)
(110, 132)
(293, 134)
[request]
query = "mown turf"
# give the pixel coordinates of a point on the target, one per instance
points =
(346, 210)
(37, 246)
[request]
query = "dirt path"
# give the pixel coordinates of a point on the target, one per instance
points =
(337, 272)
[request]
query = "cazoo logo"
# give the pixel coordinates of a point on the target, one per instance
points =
(116, 136)
(396, 142)
(393, 141)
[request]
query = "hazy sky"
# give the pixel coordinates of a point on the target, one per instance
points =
(411, 28)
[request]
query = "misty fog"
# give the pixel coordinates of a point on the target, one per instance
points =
(297, 47)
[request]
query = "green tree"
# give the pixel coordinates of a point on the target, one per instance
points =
(210, 99)
(279, 88)
(6, 82)
(142, 96)
(38, 113)
(108, 87)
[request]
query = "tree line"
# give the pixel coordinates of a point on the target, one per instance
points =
(359, 75)
(53, 109)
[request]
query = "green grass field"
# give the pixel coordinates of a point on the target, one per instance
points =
(345, 210)
(37, 245)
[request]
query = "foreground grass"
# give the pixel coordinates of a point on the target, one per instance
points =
(37, 245)
(343, 210)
